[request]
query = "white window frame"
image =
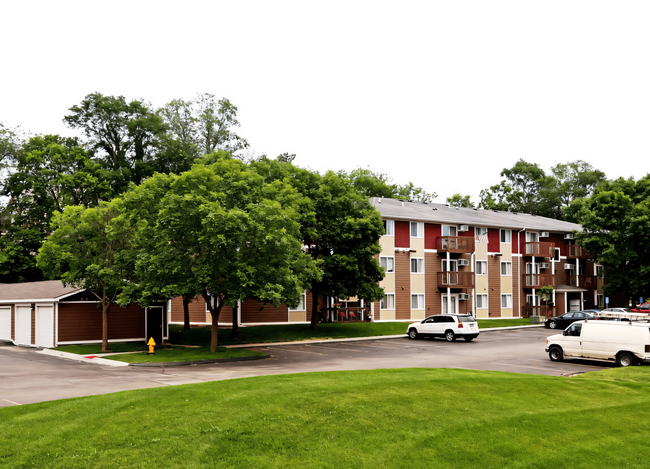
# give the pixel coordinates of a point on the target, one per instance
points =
(449, 229)
(454, 301)
(419, 300)
(508, 266)
(535, 300)
(386, 270)
(599, 271)
(390, 227)
(387, 302)
(480, 230)
(483, 270)
(484, 302)
(556, 256)
(302, 306)
(508, 300)
(532, 237)
(419, 229)
(419, 265)
(452, 262)
(505, 236)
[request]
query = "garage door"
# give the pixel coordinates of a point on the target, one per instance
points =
(5, 322)
(45, 325)
(23, 325)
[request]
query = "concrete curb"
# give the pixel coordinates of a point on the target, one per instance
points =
(356, 339)
(81, 358)
(201, 362)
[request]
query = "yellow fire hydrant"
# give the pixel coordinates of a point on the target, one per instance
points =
(151, 345)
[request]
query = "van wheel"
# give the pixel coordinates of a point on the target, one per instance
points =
(450, 336)
(625, 359)
(413, 333)
(555, 354)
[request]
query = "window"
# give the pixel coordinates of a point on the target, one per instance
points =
(481, 267)
(302, 305)
(600, 300)
(448, 230)
(417, 301)
(388, 263)
(506, 269)
(480, 231)
(599, 271)
(533, 300)
(506, 300)
(453, 266)
(417, 230)
(387, 302)
(389, 227)
(481, 301)
(506, 236)
(532, 268)
(417, 265)
(557, 255)
(532, 237)
(453, 299)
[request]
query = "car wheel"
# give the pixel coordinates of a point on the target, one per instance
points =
(468, 338)
(555, 354)
(552, 324)
(625, 359)
(450, 336)
(413, 333)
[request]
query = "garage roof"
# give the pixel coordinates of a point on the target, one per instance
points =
(47, 290)
(394, 209)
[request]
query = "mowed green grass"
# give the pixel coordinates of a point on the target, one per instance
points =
(407, 418)
(297, 332)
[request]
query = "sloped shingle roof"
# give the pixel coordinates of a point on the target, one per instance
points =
(46, 290)
(394, 209)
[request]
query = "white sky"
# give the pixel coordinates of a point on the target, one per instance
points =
(441, 93)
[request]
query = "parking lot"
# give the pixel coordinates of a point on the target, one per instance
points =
(27, 376)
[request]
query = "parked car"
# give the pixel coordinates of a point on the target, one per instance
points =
(563, 321)
(625, 342)
(642, 308)
(448, 326)
(617, 310)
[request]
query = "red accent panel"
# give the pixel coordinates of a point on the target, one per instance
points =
(402, 234)
(468, 233)
(560, 242)
(518, 247)
(494, 240)
(431, 235)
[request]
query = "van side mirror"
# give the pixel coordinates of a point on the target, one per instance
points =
(565, 333)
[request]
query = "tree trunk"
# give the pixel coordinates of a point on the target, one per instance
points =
(186, 313)
(105, 309)
(235, 322)
(214, 312)
(315, 316)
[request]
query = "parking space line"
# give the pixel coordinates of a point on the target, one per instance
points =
(337, 348)
(11, 402)
(293, 350)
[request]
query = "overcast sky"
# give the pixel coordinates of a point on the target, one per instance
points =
(441, 93)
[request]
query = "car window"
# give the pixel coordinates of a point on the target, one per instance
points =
(574, 329)
(450, 319)
(579, 315)
(439, 319)
(428, 320)
(645, 306)
(569, 315)
(466, 319)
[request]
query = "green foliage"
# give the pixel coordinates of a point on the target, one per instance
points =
(368, 419)
(546, 293)
(616, 223)
(371, 184)
(528, 189)
(458, 200)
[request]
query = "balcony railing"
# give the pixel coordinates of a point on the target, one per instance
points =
(456, 244)
(582, 281)
(537, 280)
(456, 279)
(576, 251)
(540, 249)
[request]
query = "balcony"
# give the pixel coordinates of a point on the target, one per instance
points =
(539, 249)
(582, 281)
(456, 244)
(537, 280)
(575, 251)
(455, 279)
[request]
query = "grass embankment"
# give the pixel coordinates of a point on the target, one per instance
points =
(381, 418)
(297, 332)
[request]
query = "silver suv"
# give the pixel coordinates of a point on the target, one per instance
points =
(448, 326)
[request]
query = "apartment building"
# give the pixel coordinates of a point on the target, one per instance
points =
(488, 263)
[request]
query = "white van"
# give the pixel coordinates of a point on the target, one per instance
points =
(625, 342)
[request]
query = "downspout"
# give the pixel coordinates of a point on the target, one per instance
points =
(519, 272)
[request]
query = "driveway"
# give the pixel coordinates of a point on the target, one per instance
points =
(27, 376)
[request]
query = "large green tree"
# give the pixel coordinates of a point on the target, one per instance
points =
(616, 224)
(372, 184)
(340, 229)
(92, 248)
(222, 232)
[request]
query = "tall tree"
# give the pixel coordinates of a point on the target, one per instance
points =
(92, 248)
(519, 192)
(215, 123)
(371, 184)
(340, 229)
(616, 223)
(458, 200)
(221, 232)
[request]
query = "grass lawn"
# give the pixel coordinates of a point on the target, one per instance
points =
(382, 418)
(290, 333)
(182, 354)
